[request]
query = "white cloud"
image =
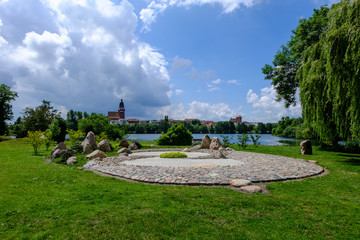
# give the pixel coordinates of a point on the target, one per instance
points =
(235, 82)
(180, 64)
(156, 7)
(217, 81)
(79, 54)
(199, 110)
(178, 91)
(267, 109)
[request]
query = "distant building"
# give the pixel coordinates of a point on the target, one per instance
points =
(132, 121)
(236, 120)
(119, 116)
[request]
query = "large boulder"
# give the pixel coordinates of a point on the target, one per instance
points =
(206, 141)
(221, 153)
(96, 154)
(123, 143)
(215, 143)
(104, 146)
(123, 151)
(60, 146)
(89, 143)
(306, 148)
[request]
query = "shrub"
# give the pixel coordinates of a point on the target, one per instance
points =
(173, 155)
(242, 140)
(75, 136)
(226, 140)
(48, 139)
(65, 154)
(36, 140)
(255, 140)
(177, 135)
(77, 147)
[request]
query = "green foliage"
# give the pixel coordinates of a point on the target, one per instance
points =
(255, 140)
(76, 147)
(72, 118)
(225, 127)
(226, 140)
(176, 135)
(58, 129)
(288, 59)
(173, 155)
(48, 141)
(36, 140)
(96, 123)
(329, 76)
(114, 131)
(101, 137)
(39, 118)
(65, 154)
(75, 136)
(6, 97)
(243, 140)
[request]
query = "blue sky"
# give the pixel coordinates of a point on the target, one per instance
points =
(186, 59)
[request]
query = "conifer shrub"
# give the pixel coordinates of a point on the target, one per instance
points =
(177, 135)
(173, 155)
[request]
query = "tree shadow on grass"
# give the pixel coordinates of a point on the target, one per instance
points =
(350, 159)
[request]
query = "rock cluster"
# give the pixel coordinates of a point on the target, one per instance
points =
(55, 152)
(104, 146)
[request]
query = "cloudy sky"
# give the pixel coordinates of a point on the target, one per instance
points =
(182, 58)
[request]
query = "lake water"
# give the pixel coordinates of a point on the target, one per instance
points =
(265, 139)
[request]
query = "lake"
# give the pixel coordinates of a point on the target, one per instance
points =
(265, 139)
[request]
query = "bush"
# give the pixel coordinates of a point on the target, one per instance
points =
(65, 154)
(226, 141)
(242, 140)
(255, 140)
(177, 135)
(75, 136)
(36, 140)
(173, 155)
(77, 147)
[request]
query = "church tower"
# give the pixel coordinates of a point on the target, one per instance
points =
(122, 110)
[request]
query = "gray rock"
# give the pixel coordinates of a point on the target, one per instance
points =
(229, 149)
(195, 148)
(215, 143)
(251, 189)
(56, 153)
(123, 150)
(133, 146)
(206, 141)
(306, 148)
(71, 161)
(61, 146)
(96, 154)
(186, 150)
(123, 143)
(89, 143)
(239, 182)
(104, 146)
(220, 153)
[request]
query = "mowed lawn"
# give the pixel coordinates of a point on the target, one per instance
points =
(47, 201)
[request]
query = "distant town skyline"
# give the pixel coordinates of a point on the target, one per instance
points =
(185, 59)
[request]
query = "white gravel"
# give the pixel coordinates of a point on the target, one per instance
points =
(183, 162)
(157, 154)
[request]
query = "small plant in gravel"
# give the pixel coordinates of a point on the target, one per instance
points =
(226, 140)
(242, 140)
(173, 155)
(255, 140)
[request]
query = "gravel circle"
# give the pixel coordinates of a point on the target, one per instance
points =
(203, 168)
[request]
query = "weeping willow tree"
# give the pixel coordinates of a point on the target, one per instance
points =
(329, 76)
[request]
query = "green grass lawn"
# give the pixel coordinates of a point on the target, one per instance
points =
(41, 201)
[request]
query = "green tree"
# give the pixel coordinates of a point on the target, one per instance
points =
(58, 129)
(39, 118)
(36, 140)
(48, 139)
(95, 122)
(6, 96)
(329, 76)
(74, 136)
(72, 118)
(289, 58)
